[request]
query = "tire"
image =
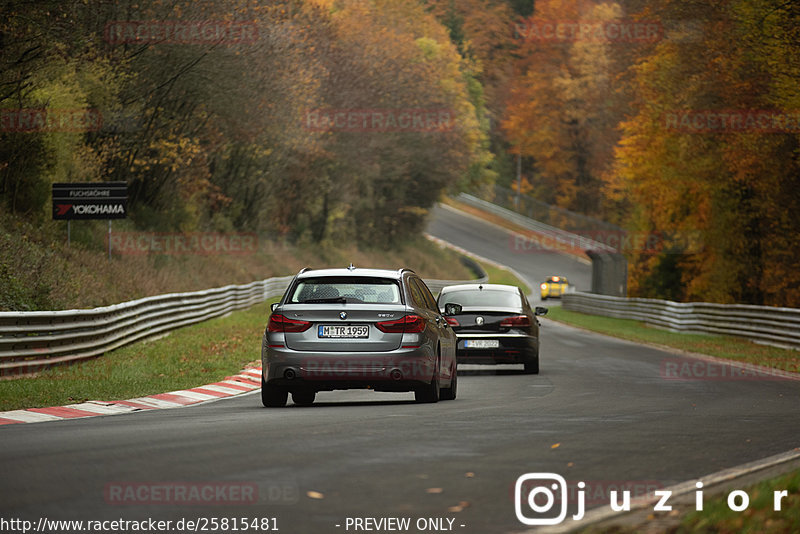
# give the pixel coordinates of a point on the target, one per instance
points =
(450, 393)
(429, 392)
(532, 367)
(273, 396)
(304, 397)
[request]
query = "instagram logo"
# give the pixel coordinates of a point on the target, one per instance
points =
(539, 493)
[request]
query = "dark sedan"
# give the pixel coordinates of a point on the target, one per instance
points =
(496, 325)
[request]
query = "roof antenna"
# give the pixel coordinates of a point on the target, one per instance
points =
(352, 267)
(480, 287)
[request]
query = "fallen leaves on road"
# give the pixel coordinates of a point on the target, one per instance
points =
(459, 507)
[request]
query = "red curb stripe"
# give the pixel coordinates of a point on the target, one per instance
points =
(133, 404)
(231, 386)
(243, 379)
(174, 398)
(246, 379)
(210, 392)
(61, 411)
(8, 421)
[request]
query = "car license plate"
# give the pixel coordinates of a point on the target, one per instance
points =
(481, 344)
(343, 331)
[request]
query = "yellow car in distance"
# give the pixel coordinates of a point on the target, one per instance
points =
(554, 286)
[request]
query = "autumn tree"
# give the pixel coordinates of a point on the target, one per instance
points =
(733, 186)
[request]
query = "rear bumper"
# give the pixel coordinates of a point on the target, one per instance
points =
(403, 369)
(512, 349)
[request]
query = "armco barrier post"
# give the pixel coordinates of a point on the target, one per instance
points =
(609, 273)
(620, 286)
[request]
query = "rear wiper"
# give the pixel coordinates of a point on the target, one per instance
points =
(343, 300)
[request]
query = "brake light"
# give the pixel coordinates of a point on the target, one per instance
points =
(452, 321)
(281, 323)
(518, 321)
(543, 286)
(410, 324)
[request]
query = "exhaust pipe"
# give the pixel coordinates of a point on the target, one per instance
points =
(396, 374)
(289, 374)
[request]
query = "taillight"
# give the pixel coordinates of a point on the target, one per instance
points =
(543, 286)
(452, 321)
(410, 324)
(518, 321)
(281, 323)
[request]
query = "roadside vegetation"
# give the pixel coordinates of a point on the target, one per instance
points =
(240, 132)
(38, 271)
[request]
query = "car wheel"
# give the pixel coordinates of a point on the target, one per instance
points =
(304, 397)
(429, 392)
(450, 393)
(532, 367)
(273, 396)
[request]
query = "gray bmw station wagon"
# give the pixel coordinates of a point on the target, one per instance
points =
(357, 328)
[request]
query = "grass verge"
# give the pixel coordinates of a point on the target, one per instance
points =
(717, 517)
(760, 516)
(192, 356)
(503, 276)
(719, 346)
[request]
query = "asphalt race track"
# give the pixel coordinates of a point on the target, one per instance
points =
(601, 411)
(495, 243)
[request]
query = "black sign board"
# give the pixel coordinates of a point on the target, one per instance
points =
(90, 200)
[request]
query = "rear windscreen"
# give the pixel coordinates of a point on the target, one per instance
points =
(486, 297)
(346, 289)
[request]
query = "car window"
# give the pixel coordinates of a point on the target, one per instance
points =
(417, 298)
(353, 289)
(430, 302)
(525, 303)
(486, 297)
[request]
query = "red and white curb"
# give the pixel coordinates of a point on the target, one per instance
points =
(246, 381)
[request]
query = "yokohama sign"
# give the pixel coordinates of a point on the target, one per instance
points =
(90, 200)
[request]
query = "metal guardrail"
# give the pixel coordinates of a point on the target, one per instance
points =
(561, 239)
(555, 216)
(33, 341)
(764, 324)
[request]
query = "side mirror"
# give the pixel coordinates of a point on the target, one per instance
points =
(273, 306)
(452, 308)
(540, 310)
